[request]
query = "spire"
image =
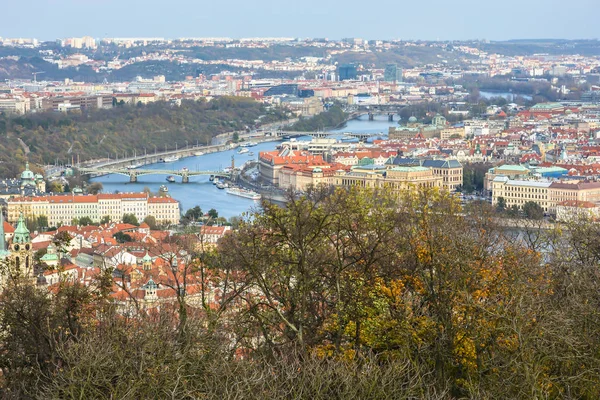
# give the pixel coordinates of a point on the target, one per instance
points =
(21, 232)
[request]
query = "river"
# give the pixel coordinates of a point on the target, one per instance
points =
(200, 191)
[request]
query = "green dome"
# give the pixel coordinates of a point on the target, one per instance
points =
(147, 258)
(27, 175)
(412, 119)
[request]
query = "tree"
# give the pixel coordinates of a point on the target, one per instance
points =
(105, 219)
(501, 204)
(236, 137)
(130, 219)
(95, 188)
(55, 187)
(212, 213)
(151, 221)
(42, 222)
(532, 210)
(122, 237)
(194, 213)
(85, 221)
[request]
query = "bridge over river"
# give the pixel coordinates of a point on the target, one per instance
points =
(135, 173)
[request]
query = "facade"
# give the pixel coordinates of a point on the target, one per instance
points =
(60, 103)
(62, 209)
(546, 194)
(392, 73)
(347, 72)
(519, 192)
(397, 179)
(451, 172)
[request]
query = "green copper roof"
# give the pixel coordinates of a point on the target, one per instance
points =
(147, 258)
(21, 232)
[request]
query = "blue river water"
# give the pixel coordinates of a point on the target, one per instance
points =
(200, 191)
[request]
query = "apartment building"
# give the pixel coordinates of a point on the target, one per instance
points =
(519, 192)
(62, 209)
(546, 194)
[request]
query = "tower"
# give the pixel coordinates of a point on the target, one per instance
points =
(147, 262)
(21, 249)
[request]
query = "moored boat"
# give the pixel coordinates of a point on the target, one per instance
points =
(163, 189)
(248, 194)
(170, 178)
(171, 159)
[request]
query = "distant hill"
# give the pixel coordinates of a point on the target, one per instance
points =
(98, 133)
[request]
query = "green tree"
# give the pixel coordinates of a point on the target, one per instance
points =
(532, 210)
(501, 204)
(105, 219)
(95, 188)
(130, 219)
(151, 222)
(212, 213)
(85, 221)
(122, 237)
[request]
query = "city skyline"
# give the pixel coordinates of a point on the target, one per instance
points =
(267, 18)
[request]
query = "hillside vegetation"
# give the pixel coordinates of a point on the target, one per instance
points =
(343, 294)
(122, 129)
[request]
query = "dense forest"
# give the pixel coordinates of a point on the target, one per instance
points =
(122, 130)
(343, 294)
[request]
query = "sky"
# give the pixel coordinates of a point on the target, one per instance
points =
(383, 19)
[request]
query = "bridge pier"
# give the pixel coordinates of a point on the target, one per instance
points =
(133, 177)
(185, 178)
(371, 116)
(391, 117)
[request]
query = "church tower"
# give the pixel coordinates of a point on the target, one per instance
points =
(21, 249)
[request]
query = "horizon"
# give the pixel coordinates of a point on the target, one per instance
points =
(461, 21)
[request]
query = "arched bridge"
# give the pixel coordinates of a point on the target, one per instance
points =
(135, 173)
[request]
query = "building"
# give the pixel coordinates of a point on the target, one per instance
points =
(451, 172)
(271, 162)
(519, 192)
(347, 72)
(397, 179)
(573, 210)
(392, 73)
(546, 194)
(63, 209)
(70, 103)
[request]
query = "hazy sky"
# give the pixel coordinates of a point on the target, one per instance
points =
(384, 19)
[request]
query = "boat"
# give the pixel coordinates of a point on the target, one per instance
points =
(248, 194)
(163, 189)
(171, 159)
(134, 166)
(243, 150)
(222, 185)
(170, 178)
(199, 153)
(251, 154)
(251, 144)
(215, 181)
(211, 178)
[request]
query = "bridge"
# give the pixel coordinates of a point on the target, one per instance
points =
(135, 173)
(324, 135)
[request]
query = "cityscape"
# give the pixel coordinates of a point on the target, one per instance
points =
(293, 217)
